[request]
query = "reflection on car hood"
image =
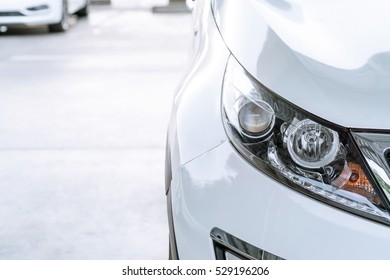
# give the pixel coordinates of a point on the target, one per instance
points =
(344, 34)
(330, 57)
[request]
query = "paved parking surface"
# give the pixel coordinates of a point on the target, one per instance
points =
(82, 132)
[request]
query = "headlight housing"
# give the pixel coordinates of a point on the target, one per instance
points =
(297, 148)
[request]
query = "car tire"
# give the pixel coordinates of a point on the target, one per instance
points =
(63, 25)
(83, 12)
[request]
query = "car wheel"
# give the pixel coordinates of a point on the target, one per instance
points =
(63, 25)
(83, 12)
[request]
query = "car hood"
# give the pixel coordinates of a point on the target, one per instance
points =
(331, 58)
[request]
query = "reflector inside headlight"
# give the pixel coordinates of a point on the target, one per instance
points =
(297, 148)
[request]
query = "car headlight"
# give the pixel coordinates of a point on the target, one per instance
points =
(297, 148)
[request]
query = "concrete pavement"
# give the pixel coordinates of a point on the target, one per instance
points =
(83, 117)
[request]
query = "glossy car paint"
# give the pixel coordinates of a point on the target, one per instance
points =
(213, 186)
(328, 57)
(197, 109)
(47, 16)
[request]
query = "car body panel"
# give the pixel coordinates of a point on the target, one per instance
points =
(196, 109)
(75, 5)
(310, 53)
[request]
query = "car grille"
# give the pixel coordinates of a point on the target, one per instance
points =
(10, 14)
(229, 247)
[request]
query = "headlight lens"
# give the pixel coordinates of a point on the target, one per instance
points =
(297, 148)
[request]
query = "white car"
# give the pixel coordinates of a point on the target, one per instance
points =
(54, 13)
(279, 139)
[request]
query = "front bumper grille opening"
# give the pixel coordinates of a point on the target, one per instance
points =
(11, 14)
(38, 8)
(229, 247)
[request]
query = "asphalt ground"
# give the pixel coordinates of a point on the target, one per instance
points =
(83, 118)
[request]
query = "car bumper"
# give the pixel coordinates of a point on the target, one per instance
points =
(221, 190)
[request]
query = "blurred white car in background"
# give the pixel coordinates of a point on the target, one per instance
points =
(279, 138)
(53, 13)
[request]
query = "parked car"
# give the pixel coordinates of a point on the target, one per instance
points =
(53, 13)
(279, 140)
